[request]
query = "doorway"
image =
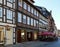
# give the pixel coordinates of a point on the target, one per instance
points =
(21, 36)
(1, 35)
(29, 36)
(9, 36)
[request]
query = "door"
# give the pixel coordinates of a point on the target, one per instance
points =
(29, 36)
(19, 36)
(9, 36)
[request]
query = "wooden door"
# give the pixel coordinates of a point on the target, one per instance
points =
(19, 36)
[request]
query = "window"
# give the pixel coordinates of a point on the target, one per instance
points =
(28, 20)
(11, 3)
(9, 14)
(44, 22)
(31, 21)
(19, 17)
(0, 1)
(0, 11)
(25, 5)
(37, 23)
(24, 19)
(37, 13)
(34, 22)
(34, 12)
(20, 3)
(29, 8)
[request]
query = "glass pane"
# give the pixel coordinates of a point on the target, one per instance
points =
(28, 20)
(9, 4)
(25, 5)
(34, 22)
(24, 19)
(9, 14)
(29, 8)
(19, 17)
(0, 11)
(31, 21)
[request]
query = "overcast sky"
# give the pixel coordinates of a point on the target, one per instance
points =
(53, 5)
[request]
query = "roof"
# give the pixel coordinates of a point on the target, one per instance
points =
(44, 11)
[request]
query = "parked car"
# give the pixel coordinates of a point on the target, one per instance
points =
(47, 36)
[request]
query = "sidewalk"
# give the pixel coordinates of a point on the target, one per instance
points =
(28, 44)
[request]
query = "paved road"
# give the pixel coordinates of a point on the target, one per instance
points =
(37, 44)
(51, 44)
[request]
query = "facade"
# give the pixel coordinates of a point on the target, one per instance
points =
(29, 21)
(46, 14)
(7, 21)
(20, 21)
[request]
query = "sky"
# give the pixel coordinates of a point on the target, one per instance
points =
(53, 5)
